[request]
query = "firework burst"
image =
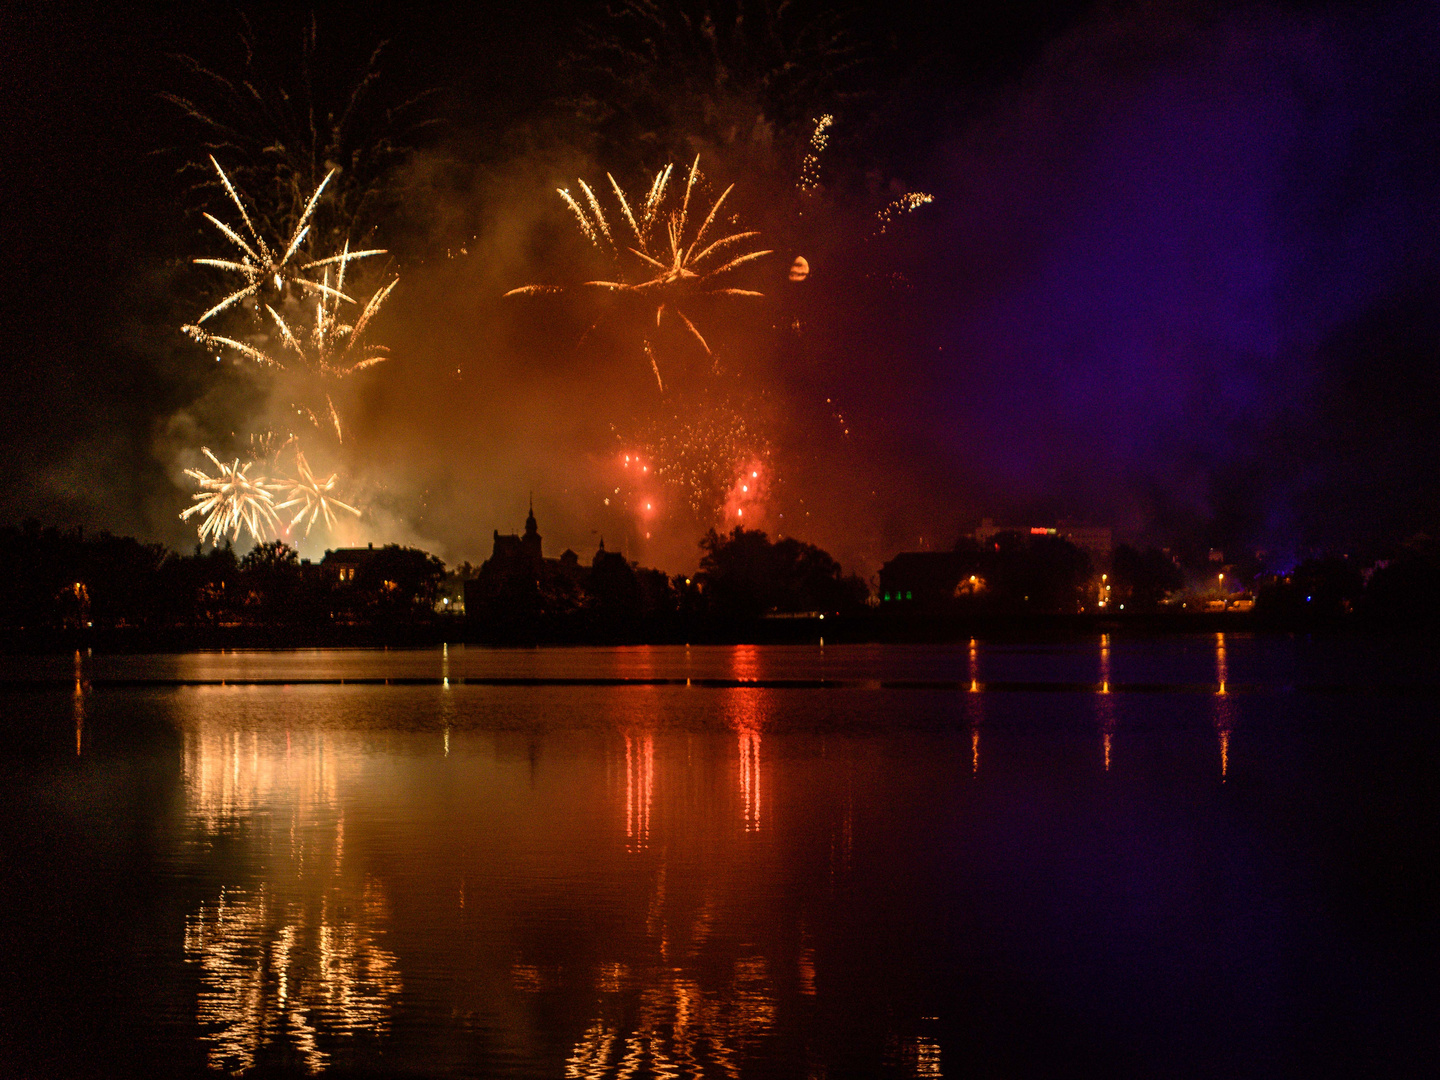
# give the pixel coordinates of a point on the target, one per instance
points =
(704, 451)
(669, 261)
(315, 497)
(230, 501)
(260, 264)
(330, 349)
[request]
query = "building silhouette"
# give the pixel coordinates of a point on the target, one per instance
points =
(520, 594)
(1043, 567)
(514, 551)
(342, 564)
(1097, 541)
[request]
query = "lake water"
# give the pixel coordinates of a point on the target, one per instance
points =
(1189, 856)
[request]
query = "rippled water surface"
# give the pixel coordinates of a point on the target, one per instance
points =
(1202, 856)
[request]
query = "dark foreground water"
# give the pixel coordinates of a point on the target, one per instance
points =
(1179, 857)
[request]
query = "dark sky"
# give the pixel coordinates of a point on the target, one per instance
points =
(1179, 276)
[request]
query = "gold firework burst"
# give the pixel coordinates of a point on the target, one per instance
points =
(231, 500)
(259, 264)
(330, 348)
(661, 259)
(315, 497)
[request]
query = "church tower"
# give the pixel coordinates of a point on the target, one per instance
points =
(531, 539)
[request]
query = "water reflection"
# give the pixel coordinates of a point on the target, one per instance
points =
(639, 788)
(916, 1055)
(704, 880)
(748, 718)
(926, 1057)
(682, 987)
(300, 956)
(842, 836)
(668, 814)
(1224, 707)
(745, 662)
(680, 1028)
(974, 710)
(82, 687)
(279, 970)
(750, 778)
(1104, 702)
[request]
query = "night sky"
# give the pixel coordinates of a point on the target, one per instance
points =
(1179, 275)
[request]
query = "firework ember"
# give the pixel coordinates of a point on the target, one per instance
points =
(230, 501)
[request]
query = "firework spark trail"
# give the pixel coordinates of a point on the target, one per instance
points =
(334, 419)
(910, 201)
(654, 366)
(282, 135)
(599, 215)
(585, 225)
(810, 168)
(625, 205)
(657, 192)
(269, 446)
(230, 501)
(258, 262)
(314, 497)
(219, 342)
(671, 265)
